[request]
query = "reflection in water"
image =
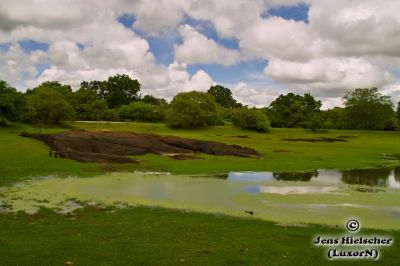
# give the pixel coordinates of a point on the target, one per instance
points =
(372, 177)
(250, 176)
(316, 201)
(397, 174)
(295, 176)
(297, 190)
(369, 177)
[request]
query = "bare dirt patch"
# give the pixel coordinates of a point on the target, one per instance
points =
(319, 139)
(115, 147)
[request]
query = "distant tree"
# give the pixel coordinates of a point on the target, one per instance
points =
(293, 110)
(223, 96)
(252, 119)
(47, 104)
(335, 118)
(142, 112)
(316, 122)
(88, 106)
(111, 115)
(192, 109)
(11, 103)
(366, 108)
(116, 91)
(121, 89)
(99, 87)
(154, 101)
(398, 110)
(64, 90)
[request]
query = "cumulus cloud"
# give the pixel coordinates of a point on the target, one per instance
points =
(252, 96)
(333, 75)
(197, 48)
(94, 51)
(156, 17)
(19, 68)
(345, 44)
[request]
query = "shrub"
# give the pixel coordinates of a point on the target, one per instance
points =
(193, 109)
(251, 119)
(142, 112)
(111, 115)
(4, 122)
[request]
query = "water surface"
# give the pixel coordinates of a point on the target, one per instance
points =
(320, 196)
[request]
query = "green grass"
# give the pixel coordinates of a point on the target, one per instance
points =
(22, 157)
(152, 236)
(365, 150)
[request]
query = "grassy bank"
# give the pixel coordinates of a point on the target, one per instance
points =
(151, 236)
(21, 157)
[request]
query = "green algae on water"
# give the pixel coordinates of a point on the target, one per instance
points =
(320, 203)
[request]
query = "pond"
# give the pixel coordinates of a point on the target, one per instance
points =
(321, 196)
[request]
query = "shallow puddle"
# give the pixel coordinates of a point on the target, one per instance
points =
(323, 196)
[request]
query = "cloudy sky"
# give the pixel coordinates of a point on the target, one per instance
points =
(257, 48)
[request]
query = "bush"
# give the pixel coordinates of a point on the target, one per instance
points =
(193, 109)
(142, 112)
(46, 104)
(111, 115)
(251, 119)
(4, 122)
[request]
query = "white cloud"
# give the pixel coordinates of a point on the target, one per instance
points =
(252, 96)
(181, 81)
(328, 76)
(346, 44)
(18, 68)
(228, 17)
(197, 48)
(154, 17)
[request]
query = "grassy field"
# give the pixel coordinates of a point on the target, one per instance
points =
(153, 236)
(21, 158)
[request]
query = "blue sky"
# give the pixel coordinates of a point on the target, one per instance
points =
(162, 46)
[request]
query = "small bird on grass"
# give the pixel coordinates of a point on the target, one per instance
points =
(249, 212)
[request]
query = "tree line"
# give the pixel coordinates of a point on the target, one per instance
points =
(118, 99)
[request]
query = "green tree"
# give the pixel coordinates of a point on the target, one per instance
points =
(366, 108)
(88, 106)
(64, 90)
(223, 96)
(11, 103)
(293, 110)
(154, 101)
(142, 112)
(252, 119)
(335, 118)
(192, 109)
(45, 103)
(398, 110)
(116, 90)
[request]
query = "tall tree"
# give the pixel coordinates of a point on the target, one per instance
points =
(192, 109)
(154, 101)
(116, 90)
(121, 89)
(293, 110)
(223, 96)
(47, 103)
(87, 105)
(11, 102)
(366, 108)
